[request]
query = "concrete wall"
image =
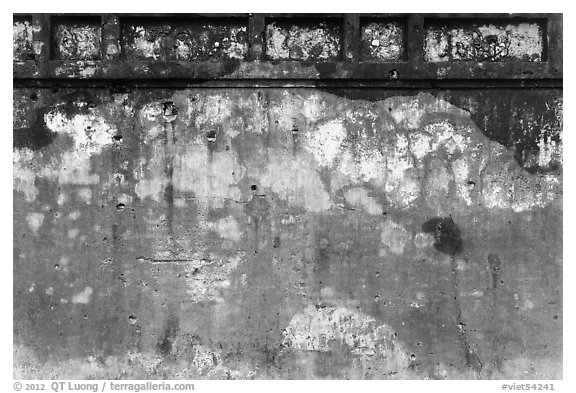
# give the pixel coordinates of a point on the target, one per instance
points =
(281, 229)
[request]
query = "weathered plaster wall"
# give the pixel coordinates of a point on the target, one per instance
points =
(285, 233)
(269, 230)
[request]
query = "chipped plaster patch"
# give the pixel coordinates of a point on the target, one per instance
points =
(359, 198)
(206, 280)
(228, 228)
(82, 297)
(35, 221)
(395, 237)
(484, 42)
(23, 177)
(299, 184)
(325, 142)
(373, 346)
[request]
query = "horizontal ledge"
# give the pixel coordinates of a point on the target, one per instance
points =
(282, 70)
(312, 15)
(422, 84)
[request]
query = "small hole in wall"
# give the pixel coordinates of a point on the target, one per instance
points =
(33, 96)
(413, 357)
(169, 109)
(117, 138)
(254, 187)
(211, 136)
(120, 207)
(393, 74)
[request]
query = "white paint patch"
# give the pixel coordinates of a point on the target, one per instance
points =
(228, 228)
(358, 198)
(295, 181)
(211, 177)
(325, 142)
(35, 221)
(423, 240)
(82, 297)
(395, 237)
(320, 328)
(85, 195)
(23, 176)
(91, 133)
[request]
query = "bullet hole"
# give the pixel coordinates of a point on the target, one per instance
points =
(85, 316)
(276, 242)
(471, 184)
(227, 148)
(295, 130)
(389, 109)
(412, 357)
(120, 207)
(169, 109)
(377, 274)
(211, 136)
(117, 138)
(376, 298)
(132, 319)
(492, 39)
(56, 267)
(254, 187)
(446, 234)
(393, 74)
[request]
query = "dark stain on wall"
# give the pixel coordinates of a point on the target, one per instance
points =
(36, 136)
(446, 235)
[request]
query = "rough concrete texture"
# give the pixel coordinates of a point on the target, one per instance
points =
(382, 41)
(184, 40)
(77, 39)
(289, 40)
(287, 233)
(22, 40)
(484, 42)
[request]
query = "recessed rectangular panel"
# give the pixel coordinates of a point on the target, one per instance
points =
(382, 40)
(304, 39)
(170, 39)
(22, 38)
(76, 38)
(484, 40)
